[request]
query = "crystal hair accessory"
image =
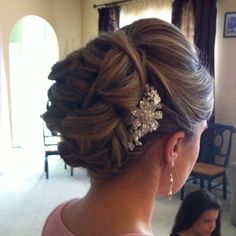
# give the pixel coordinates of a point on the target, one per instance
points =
(144, 119)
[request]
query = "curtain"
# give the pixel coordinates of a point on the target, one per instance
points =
(177, 9)
(205, 29)
(108, 19)
(145, 9)
(200, 16)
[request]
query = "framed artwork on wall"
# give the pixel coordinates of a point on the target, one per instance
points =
(230, 25)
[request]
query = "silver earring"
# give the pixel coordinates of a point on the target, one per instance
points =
(171, 181)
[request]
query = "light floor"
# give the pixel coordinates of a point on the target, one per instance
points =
(26, 197)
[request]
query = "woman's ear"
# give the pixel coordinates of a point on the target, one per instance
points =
(173, 147)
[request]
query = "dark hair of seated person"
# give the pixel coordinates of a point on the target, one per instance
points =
(192, 207)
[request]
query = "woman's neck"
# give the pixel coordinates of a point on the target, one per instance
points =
(129, 199)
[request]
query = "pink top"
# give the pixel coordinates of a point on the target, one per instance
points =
(55, 226)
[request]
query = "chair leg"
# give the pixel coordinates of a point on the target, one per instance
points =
(71, 171)
(46, 166)
(65, 166)
(224, 187)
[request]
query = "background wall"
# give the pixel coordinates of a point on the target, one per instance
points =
(67, 21)
(225, 68)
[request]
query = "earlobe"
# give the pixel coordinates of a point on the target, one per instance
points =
(173, 148)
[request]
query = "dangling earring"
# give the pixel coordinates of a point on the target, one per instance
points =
(171, 180)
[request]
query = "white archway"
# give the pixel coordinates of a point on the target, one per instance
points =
(33, 49)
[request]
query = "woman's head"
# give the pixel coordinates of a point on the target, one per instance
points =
(98, 87)
(199, 212)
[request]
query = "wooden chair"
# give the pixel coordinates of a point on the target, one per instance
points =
(213, 159)
(51, 140)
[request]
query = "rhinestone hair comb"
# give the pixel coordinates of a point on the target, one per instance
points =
(144, 119)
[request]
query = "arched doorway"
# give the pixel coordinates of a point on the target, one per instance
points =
(33, 49)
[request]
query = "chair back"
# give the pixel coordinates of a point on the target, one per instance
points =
(216, 144)
(50, 138)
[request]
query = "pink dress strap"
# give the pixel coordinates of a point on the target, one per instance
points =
(54, 224)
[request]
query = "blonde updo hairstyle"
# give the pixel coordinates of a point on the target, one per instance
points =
(98, 86)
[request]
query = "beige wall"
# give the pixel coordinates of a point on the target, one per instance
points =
(225, 76)
(67, 20)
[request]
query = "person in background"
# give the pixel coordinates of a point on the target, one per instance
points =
(131, 107)
(198, 215)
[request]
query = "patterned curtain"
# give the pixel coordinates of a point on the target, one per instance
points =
(108, 20)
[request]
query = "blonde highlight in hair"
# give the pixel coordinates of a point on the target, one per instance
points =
(98, 86)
